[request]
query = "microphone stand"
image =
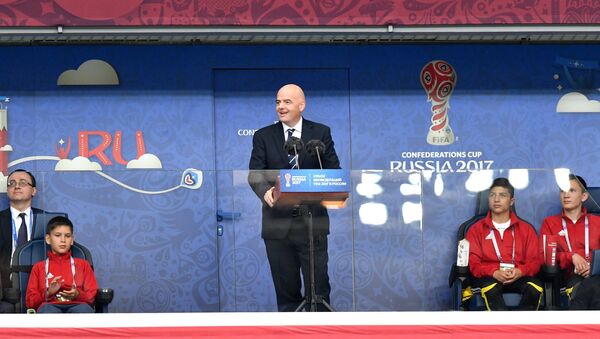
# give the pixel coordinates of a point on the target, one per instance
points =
(314, 299)
(294, 145)
(316, 146)
(319, 157)
(297, 165)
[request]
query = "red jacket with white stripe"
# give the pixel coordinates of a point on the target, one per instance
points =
(483, 260)
(60, 265)
(553, 226)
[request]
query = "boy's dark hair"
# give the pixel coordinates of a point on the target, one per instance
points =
(503, 182)
(58, 221)
(580, 180)
(33, 184)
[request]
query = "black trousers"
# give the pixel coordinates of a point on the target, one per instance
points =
(290, 256)
(587, 296)
(6, 307)
(571, 284)
(491, 291)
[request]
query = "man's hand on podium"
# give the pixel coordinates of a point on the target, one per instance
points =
(269, 199)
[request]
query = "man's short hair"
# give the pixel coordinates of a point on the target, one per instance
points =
(33, 184)
(58, 221)
(579, 180)
(503, 182)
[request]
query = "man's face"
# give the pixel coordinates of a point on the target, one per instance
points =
(499, 200)
(289, 105)
(574, 197)
(19, 187)
(60, 239)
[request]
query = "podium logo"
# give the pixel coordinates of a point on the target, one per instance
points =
(288, 178)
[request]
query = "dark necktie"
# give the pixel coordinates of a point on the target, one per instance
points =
(22, 238)
(292, 160)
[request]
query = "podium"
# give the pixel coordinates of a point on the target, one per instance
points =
(328, 187)
(304, 188)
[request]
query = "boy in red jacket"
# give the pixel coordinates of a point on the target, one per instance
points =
(577, 233)
(503, 252)
(61, 283)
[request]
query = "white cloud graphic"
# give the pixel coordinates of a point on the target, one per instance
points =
(146, 161)
(576, 102)
(77, 164)
(91, 72)
(6, 148)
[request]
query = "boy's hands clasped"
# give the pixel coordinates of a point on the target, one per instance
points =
(66, 295)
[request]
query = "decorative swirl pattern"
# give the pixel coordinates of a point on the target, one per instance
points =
(294, 12)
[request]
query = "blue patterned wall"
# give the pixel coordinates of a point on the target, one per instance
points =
(196, 107)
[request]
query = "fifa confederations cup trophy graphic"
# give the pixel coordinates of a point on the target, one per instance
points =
(288, 178)
(438, 79)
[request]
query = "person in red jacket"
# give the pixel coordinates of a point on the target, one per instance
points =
(61, 283)
(576, 232)
(503, 252)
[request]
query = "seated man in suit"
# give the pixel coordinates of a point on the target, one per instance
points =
(503, 253)
(61, 283)
(16, 223)
(577, 233)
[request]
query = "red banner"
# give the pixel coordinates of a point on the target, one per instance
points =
(342, 332)
(32, 13)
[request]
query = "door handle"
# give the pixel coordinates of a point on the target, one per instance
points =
(226, 215)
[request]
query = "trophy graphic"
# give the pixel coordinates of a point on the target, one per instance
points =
(438, 79)
(288, 178)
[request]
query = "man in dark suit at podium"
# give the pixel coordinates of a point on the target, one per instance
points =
(21, 188)
(284, 228)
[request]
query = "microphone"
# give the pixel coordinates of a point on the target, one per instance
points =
(315, 147)
(294, 145)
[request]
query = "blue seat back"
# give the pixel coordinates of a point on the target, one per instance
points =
(595, 265)
(592, 204)
(481, 209)
(40, 220)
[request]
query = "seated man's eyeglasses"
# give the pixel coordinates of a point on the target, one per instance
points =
(20, 183)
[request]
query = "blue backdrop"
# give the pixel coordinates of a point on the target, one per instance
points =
(197, 107)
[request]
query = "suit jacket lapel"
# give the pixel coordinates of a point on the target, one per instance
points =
(6, 230)
(34, 213)
(279, 142)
